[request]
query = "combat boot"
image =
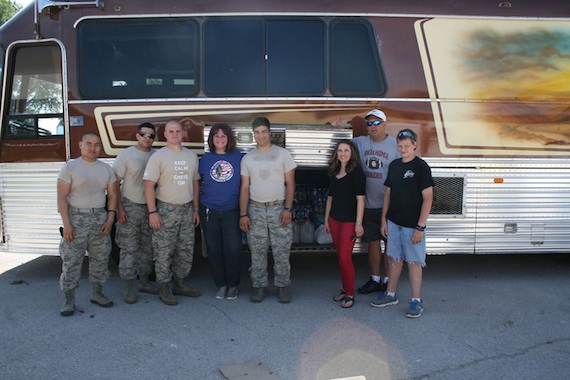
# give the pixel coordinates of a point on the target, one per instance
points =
(259, 294)
(98, 297)
(130, 295)
(68, 307)
(181, 289)
(166, 295)
(283, 295)
(146, 286)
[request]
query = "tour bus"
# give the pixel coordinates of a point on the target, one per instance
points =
(485, 84)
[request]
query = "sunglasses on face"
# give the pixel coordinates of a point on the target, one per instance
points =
(147, 135)
(375, 122)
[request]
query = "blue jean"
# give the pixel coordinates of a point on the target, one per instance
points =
(401, 247)
(222, 236)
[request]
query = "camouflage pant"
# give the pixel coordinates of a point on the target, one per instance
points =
(267, 230)
(134, 239)
(173, 243)
(87, 238)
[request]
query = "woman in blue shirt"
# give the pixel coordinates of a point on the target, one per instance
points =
(219, 209)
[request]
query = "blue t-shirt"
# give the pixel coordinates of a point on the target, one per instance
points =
(221, 180)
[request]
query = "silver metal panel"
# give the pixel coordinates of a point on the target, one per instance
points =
(310, 147)
(508, 210)
(29, 205)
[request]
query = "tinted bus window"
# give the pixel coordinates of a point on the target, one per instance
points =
(36, 93)
(296, 57)
(138, 58)
(355, 64)
(233, 61)
(160, 58)
(264, 57)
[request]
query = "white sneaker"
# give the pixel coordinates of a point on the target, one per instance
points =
(232, 293)
(221, 293)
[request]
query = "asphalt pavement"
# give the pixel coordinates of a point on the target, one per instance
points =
(486, 317)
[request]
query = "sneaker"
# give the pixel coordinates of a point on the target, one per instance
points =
(232, 293)
(385, 300)
(221, 293)
(416, 309)
(369, 287)
(384, 287)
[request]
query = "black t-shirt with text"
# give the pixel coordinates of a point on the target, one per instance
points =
(406, 182)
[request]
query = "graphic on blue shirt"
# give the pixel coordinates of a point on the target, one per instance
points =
(221, 171)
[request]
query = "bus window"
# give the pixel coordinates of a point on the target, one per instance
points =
(296, 57)
(355, 64)
(264, 57)
(138, 58)
(233, 62)
(35, 107)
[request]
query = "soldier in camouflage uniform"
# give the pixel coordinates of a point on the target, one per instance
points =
(81, 188)
(133, 233)
(173, 212)
(266, 197)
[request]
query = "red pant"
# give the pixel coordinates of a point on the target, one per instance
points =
(342, 234)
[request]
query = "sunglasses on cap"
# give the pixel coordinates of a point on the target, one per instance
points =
(407, 134)
(148, 135)
(375, 122)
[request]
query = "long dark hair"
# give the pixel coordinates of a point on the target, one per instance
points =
(334, 162)
(227, 130)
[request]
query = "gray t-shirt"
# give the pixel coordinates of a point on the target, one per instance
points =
(174, 173)
(89, 181)
(266, 171)
(130, 165)
(375, 158)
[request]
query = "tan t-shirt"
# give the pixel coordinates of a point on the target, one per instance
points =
(89, 181)
(174, 173)
(266, 171)
(130, 165)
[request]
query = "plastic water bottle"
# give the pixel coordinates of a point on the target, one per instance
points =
(307, 232)
(296, 232)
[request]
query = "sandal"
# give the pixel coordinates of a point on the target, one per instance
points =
(347, 302)
(340, 296)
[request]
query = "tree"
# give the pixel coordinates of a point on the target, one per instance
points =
(8, 8)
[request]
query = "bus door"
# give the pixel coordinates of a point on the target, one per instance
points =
(33, 103)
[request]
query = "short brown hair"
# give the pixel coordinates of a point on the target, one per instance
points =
(227, 130)
(261, 121)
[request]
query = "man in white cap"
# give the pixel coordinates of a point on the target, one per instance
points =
(377, 150)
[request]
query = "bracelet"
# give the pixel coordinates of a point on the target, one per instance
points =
(112, 211)
(420, 228)
(287, 209)
(359, 223)
(243, 216)
(152, 212)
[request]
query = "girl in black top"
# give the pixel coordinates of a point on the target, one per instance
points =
(344, 212)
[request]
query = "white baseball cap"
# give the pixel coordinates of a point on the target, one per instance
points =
(379, 114)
